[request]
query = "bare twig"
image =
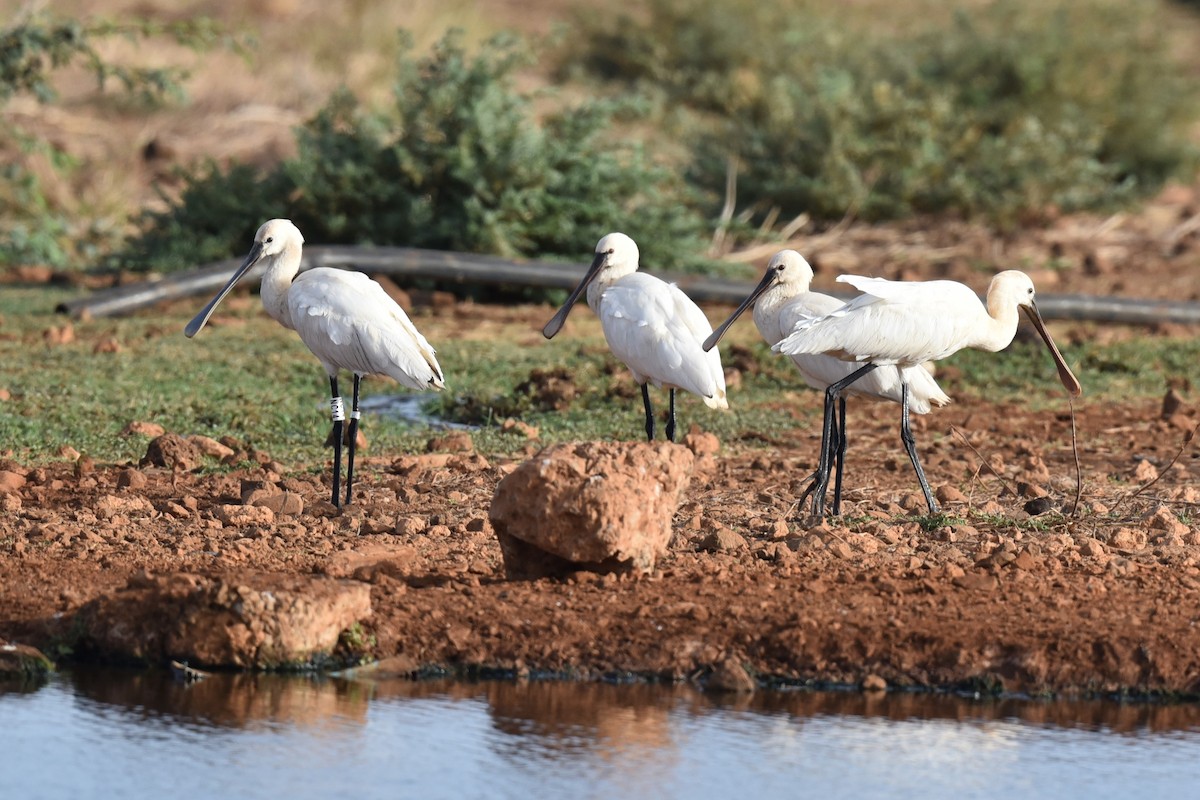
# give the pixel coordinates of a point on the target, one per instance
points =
(982, 461)
(1078, 466)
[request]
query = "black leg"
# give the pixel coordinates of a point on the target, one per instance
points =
(671, 417)
(649, 412)
(910, 445)
(824, 464)
(338, 411)
(840, 455)
(353, 441)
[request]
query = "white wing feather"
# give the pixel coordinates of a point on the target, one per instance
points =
(821, 370)
(895, 322)
(349, 322)
(656, 331)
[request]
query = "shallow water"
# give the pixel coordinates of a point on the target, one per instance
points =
(113, 735)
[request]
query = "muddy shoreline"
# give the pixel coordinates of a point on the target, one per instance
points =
(996, 600)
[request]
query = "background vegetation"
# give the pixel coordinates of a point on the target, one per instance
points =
(1003, 111)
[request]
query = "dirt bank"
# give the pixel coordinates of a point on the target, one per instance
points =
(1102, 602)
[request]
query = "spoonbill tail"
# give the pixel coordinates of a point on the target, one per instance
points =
(650, 325)
(782, 301)
(903, 324)
(346, 319)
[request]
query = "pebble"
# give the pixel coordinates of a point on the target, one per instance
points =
(723, 540)
(10, 482)
(874, 683)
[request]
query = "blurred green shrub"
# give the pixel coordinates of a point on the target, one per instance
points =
(461, 161)
(1004, 111)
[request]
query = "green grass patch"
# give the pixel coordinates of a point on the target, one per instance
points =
(255, 381)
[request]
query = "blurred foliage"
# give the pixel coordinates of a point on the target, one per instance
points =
(1004, 111)
(34, 228)
(459, 162)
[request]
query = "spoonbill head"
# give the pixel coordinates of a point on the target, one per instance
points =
(346, 319)
(782, 302)
(650, 325)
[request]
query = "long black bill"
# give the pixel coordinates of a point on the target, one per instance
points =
(766, 283)
(201, 319)
(560, 318)
(1069, 381)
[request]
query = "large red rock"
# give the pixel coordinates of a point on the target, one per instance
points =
(591, 505)
(248, 621)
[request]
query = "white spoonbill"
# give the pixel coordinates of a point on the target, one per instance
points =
(650, 325)
(903, 324)
(346, 319)
(782, 301)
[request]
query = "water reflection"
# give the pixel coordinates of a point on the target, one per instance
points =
(112, 733)
(637, 715)
(228, 701)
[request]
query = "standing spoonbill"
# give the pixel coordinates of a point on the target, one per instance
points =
(903, 324)
(650, 325)
(782, 301)
(346, 319)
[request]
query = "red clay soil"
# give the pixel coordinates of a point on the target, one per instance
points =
(1104, 601)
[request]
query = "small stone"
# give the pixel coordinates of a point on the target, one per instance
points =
(950, 494)
(110, 506)
(723, 540)
(10, 482)
(730, 676)
(874, 683)
(842, 550)
(1130, 539)
(68, 453)
(211, 447)
(1163, 519)
(1145, 472)
(287, 504)
(702, 443)
(409, 525)
(243, 516)
(1092, 548)
(24, 662)
(131, 479)
(173, 451)
(5, 395)
(477, 524)
(976, 581)
(1038, 505)
(150, 429)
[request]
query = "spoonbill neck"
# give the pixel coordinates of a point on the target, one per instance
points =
(1000, 325)
(276, 280)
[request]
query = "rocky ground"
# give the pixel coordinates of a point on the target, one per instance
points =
(1008, 593)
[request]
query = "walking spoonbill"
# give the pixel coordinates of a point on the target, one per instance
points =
(650, 325)
(903, 324)
(782, 301)
(346, 319)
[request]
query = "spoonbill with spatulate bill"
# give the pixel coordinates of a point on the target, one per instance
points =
(650, 325)
(346, 319)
